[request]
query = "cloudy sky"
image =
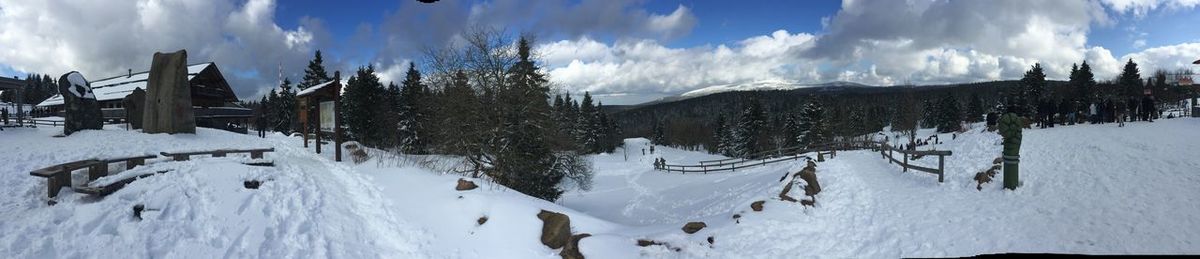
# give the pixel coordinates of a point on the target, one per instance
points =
(624, 51)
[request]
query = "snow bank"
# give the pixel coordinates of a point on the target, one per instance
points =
(306, 206)
(1095, 189)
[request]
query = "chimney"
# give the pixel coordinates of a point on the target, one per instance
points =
(130, 73)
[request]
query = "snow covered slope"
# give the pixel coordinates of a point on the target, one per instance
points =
(761, 86)
(307, 206)
(1087, 189)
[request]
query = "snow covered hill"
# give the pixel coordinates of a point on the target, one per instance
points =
(1087, 189)
(762, 86)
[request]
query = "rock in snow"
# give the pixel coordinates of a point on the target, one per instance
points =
(556, 228)
(692, 227)
(465, 185)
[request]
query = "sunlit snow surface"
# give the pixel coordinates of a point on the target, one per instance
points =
(1087, 189)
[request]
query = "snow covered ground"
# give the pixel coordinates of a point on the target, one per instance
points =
(307, 206)
(1095, 189)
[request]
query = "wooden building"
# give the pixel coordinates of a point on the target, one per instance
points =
(213, 100)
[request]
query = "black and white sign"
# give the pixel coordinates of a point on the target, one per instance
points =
(79, 86)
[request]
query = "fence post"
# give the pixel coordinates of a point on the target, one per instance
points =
(905, 164)
(941, 168)
(890, 156)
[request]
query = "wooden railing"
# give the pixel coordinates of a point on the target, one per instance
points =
(795, 153)
(764, 158)
(887, 152)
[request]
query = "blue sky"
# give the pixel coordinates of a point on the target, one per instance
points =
(726, 22)
(624, 51)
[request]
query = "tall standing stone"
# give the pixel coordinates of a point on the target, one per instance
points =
(82, 110)
(168, 106)
(134, 104)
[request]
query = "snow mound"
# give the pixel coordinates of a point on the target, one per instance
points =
(305, 207)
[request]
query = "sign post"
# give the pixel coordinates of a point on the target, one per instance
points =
(326, 97)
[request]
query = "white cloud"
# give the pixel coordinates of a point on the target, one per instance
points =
(1168, 58)
(1140, 8)
(645, 66)
(1139, 43)
(103, 38)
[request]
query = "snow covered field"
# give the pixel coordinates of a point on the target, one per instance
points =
(1095, 189)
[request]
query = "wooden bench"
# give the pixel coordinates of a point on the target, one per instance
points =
(130, 162)
(184, 156)
(58, 176)
(112, 187)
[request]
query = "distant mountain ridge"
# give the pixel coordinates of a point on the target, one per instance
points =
(765, 85)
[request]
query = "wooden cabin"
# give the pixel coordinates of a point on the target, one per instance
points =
(213, 100)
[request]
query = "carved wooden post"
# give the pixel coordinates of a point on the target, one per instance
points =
(1010, 129)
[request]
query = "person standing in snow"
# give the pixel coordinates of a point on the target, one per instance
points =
(1120, 112)
(1092, 114)
(1148, 108)
(651, 149)
(260, 124)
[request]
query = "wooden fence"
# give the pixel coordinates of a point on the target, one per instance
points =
(795, 153)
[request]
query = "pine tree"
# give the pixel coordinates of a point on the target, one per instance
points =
(659, 133)
(750, 129)
(272, 105)
(524, 160)
(413, 113)
(813, 125)
(1130, 80)
(315, 73)
(949, 115)
(792, 131)
(1086, 85)
(929, 114)
(285, 108)
(721, 136)
(461, 126)
(587, 131)
(391, 117)
(1033, 84)
(907, 116)
(362, 103)
(975, 109)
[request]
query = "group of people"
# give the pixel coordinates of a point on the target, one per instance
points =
(1106, 111)
(660, 163)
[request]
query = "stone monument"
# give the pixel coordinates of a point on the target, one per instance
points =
(168, 106)
(134, 107)
(82, 110)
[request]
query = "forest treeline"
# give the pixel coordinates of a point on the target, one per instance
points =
(743, 123)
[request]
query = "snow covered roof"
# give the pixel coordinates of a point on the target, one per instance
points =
(315, 88)
(118, 87)
(10, 83)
